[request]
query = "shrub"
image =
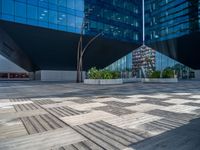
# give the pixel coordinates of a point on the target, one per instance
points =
(116, 74)
(168, 73)
(105, 74)
(94, 73)
(155, 74)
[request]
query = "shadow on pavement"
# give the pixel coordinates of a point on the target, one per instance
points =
(186, 137)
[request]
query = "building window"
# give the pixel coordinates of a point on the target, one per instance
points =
(71, 20)
(20, 9)
(79, 5)
(53, 2)
(70, 4)
(32, 12)
(62, 3)
(79, 21)
(62, 18)
(43, 14)
(53, 17)
(8, 7)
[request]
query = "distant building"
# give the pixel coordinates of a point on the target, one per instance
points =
(143, 57)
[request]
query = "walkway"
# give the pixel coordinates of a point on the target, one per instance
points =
(58, 116)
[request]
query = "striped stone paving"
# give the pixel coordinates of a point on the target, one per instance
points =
(112, 122)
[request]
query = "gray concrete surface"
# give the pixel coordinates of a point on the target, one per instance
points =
(135, 116)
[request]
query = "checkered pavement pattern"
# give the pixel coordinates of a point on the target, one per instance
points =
(92, 123)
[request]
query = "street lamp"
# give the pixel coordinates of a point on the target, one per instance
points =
(81, 50)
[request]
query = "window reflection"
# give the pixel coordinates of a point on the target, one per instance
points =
(71, 20)
(53, 17)
(68, 15)
(32, 12)
(20, 9)
(71, 4)
(62, 3)
(43, 14)
(8, 7)
(62, 18)
(56, 14)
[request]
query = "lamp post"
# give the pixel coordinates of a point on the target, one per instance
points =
(81, 50)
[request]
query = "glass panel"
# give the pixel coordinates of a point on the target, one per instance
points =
(62, 18)
(8, 17)
(20, 20)
(33, 2)
(0, 7)
(8, 7)
(53, 1)
(79, 21)
(70, 4)
(62, 3)
(32, 22)
(43, 14)
(79, 5)
(20, 9)
(53, 17)
(71, 20)
(32, 12)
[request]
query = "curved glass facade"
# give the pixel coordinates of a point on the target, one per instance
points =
(166, 19)
(65, 15)
(119, 19)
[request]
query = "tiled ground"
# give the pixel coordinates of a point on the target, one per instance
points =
(135, 116)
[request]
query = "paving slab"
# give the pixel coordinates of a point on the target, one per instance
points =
(65, 116)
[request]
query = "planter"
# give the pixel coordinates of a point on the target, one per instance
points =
(91, 81)
(160, 80)
(103, 81)
(131, 80)
(111, 81)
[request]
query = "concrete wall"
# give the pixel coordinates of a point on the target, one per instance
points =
(52, 75)
(197, 74)
(37, 75)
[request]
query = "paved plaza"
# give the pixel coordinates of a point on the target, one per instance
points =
(70, 116)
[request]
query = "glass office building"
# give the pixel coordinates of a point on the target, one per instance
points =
(117, 18)
(172, 28)
(120, 19)
(123, 64)
(167, 22)
(61, 22)
(55, 14)
(167, 19)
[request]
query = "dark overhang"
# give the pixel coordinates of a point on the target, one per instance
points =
(56, 50)
(184, 49)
